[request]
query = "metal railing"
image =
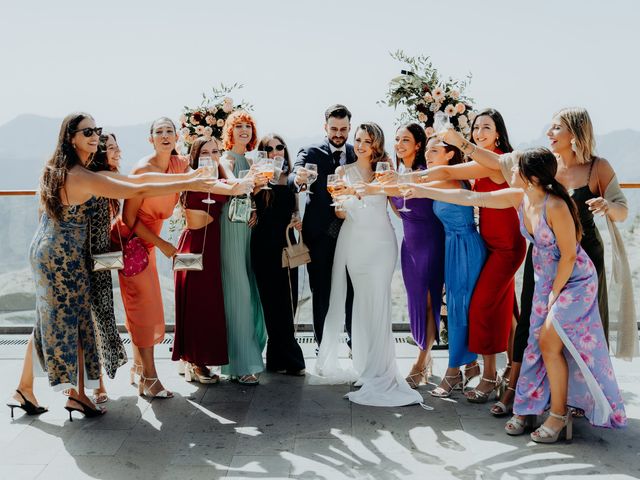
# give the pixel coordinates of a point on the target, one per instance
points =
(6, 329)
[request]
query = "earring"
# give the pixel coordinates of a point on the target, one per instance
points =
(497, 141)
(529, 186)
(573, 145)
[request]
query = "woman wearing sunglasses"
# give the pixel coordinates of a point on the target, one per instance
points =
(277, 209)
(63, 338)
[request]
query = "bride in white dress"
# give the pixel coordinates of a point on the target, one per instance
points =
(367, 246)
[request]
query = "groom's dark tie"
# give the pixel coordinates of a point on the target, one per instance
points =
(336, 159)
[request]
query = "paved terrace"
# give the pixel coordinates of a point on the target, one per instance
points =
(285, 428)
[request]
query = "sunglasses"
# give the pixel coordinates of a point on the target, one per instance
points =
(89, 132)
(270, 149)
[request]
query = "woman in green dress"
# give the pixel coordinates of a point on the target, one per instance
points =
(246, 333)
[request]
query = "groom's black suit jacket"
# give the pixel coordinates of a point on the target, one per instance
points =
(318, 212)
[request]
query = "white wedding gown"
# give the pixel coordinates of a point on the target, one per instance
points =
(367, 246)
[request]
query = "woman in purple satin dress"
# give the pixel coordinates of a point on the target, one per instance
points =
(422, 255)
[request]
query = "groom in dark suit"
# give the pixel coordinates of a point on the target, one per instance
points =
(320, 226)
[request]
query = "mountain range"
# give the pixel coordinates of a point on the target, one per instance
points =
(28, 140)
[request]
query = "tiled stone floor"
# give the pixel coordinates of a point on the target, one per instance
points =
(285, 428)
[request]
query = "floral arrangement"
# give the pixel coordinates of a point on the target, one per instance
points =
(208, 119)
(422, 93)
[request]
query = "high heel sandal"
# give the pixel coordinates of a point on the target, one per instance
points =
(516, 425)
(191, 374)
(86, 410)
(136, 369)
(415, 379)
(28, 407)
(467, 378)
(500, 409)
(442, 392)
(251, 379)
(545, 434)
(145, 391)
(478, 396)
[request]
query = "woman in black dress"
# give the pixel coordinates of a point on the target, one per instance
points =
(276, 209)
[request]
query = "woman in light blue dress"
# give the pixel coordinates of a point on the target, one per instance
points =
(246, 332)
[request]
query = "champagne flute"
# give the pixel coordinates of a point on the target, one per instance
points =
(278, 163)
(312, 168)
(211, 171)
(381, 169)
(404, 185)
(243, 174)
(441, 122)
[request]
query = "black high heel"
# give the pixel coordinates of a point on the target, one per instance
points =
(86, 410)
(27, 406)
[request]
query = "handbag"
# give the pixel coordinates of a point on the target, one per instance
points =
(135, 256)
(107, 260)
(191, 261)
(239, 210)
(294, 255)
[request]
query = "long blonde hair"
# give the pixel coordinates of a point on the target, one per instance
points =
(578, 122)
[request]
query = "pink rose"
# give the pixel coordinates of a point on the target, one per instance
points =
(227, 108)
(429, 131)
(461, 108)
(220, 122)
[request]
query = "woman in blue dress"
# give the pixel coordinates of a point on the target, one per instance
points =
(464, 257)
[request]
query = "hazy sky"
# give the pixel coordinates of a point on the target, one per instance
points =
(127, 62)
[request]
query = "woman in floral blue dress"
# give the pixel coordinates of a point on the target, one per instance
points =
(566, 362)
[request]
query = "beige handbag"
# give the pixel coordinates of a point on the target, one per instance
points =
(107, 260)
(295, 255)
(191, 261)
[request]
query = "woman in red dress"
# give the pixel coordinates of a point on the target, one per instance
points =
(493, 310)
(201, 333)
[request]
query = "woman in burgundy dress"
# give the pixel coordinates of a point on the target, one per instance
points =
(200, 332)
(422, 255)
(493, 310)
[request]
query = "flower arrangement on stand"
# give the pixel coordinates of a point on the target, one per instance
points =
(422, 92)
(207, 120)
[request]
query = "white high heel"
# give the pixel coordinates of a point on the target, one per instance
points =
(145, 391)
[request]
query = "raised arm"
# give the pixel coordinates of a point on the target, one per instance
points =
(151, 177)
(486, 158)
(463, 171)
(561, 222)
(505, 198)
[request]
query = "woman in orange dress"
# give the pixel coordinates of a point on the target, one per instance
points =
(141, 294)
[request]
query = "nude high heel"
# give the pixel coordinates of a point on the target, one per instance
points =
(546, 434)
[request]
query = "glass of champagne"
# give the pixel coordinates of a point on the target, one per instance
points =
(211, 171)
(335, 183)
(243, 174)
(381, 169)
(312, 169)
(441, 122)
(354, 177)
(278, 163)
(267, 169)
(404, 185)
